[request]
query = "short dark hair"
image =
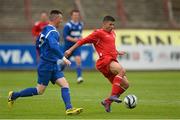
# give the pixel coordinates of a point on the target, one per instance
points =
(108, 18)
(53, 14)
(74, 10)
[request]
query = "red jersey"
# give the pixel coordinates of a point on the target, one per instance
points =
(103, 41)
(37, 28)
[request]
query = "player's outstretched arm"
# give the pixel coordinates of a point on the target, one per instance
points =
(92, 38)
(70, 50)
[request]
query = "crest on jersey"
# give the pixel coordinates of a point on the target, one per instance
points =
(80, 27)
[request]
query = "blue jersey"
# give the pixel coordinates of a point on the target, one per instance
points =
(50, 51)
(73, 30)
(48, 44)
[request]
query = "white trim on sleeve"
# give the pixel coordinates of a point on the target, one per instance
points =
(50, 32)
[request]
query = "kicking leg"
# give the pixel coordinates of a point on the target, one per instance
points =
(120, 82)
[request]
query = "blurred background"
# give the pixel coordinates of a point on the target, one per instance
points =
(148, 30)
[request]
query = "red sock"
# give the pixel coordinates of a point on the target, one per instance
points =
(116, 88)
(108, 101)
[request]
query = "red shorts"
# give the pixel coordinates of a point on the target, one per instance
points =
(103, 65)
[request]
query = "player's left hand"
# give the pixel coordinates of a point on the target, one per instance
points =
(66, 61)
(122, 52)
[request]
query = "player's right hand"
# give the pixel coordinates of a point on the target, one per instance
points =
(67, 53)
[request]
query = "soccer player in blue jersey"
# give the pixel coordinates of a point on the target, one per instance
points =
(71, 33)
(49, 66)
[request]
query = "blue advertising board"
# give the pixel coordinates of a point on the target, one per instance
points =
(24, 57)
(17, 57)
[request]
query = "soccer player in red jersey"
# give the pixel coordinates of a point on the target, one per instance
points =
(39, 25)
(104, 42)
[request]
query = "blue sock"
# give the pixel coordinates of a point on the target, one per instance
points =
(25, 93)
(66, 97)
(79, 71)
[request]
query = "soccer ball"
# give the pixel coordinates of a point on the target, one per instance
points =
(130, 101)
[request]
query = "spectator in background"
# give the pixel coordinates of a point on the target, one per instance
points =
(39, 25)
(72, 32)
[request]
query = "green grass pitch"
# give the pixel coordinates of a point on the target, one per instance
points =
(158, 96)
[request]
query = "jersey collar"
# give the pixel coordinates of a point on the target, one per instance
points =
(52, 26)
(76, 23)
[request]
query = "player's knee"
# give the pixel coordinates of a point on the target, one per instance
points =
(62, 82)
(65, 84)
(78, 61)
(122, 72)
(126, 85)
(40, 90)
